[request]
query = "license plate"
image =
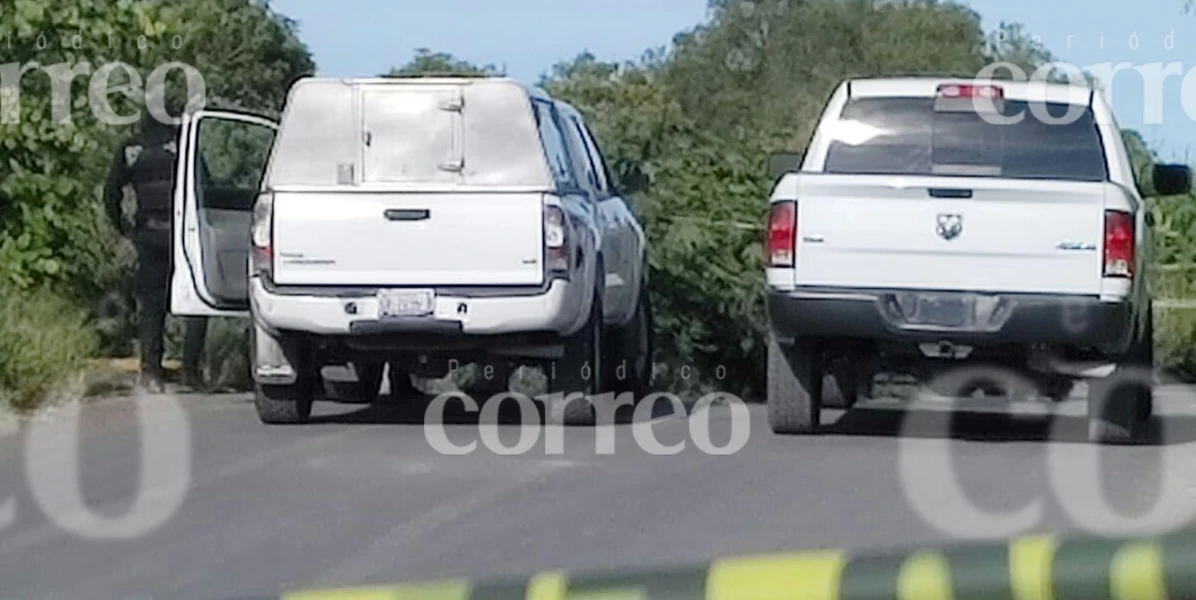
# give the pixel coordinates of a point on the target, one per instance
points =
(405, 303)
(943, 311)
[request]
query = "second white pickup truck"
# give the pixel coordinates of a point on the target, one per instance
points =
(413, 223)
(938, 223)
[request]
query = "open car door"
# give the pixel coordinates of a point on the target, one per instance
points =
(222, 156)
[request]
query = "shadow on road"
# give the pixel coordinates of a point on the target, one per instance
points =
(996, 427)
(413, 411)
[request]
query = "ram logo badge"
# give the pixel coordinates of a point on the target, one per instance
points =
(950, 226)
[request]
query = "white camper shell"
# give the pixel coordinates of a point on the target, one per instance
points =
(414, 222)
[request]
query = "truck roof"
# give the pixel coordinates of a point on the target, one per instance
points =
(532, 91)
(927, 87)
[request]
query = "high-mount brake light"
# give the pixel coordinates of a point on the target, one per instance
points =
(967, 91)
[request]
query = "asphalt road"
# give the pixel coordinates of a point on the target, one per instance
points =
(361, 496)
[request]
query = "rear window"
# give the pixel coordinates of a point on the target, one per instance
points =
(338, 133)
(906, 136)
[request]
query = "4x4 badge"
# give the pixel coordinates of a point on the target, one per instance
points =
(950, 226)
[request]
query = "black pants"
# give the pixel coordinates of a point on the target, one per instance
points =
(154, 267)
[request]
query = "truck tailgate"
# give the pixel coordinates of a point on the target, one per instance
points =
(399, 239)
(950, 233)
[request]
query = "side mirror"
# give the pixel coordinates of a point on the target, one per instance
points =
(1172, 180)
(784, 162)
(632, 179)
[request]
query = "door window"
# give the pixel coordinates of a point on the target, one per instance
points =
(554, 145)
(601, 177)
(232, 158)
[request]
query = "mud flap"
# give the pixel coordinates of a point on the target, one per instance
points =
(272, 365)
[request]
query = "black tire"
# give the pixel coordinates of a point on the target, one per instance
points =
(580, 370)
(832, 396)
(1121, 405)
(369, 380)
(284, 404)
(1115, 414)
(499, 382)
(1145, 356)
(630, 351)
(402, 387)
(841, 385)
(794, 388)
(1058, 389)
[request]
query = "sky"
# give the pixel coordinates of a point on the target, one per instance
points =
(527, 37)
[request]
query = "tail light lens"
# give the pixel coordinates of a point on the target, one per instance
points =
(1119, 244)
(965, 90)
(262, 234)
(556, 239)
(781, 248)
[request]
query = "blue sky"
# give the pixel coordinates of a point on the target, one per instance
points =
(367, 37)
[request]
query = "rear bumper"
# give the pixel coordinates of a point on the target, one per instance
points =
(1010, 319)
(559, 308)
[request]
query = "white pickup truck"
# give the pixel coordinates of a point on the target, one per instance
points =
(934, 225)
(413, 223)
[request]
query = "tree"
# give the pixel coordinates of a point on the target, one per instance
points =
(766, 68)
(704, 189)
(427, 63)
(52, 228)
(629, 107)
(1011, 43)
(249, 54)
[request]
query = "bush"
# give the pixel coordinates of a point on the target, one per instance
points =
(1175, 341)
(53, 230)
(1173, 278)
(44, 339)
(1174, 326)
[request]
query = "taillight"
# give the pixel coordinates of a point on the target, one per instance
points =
(556, 239)
(1119, 244)
(262, 234)
(781, 248)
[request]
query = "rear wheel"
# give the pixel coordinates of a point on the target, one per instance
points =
(794, 388)
(369, 380)
(1121, 405)
(1115, 409)
(498, 382)
(1146, 362)
(630, 349)
(577, 377)
(284, 404)
(1058, 388)
(401, 385)
(841, 384)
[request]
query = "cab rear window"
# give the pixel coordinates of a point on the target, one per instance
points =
(906, 136)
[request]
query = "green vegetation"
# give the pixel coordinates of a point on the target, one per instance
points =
(699, 118)
(43, 340)
(54, 236)
(431, 64)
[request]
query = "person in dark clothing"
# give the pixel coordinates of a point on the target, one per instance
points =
(147, 162)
